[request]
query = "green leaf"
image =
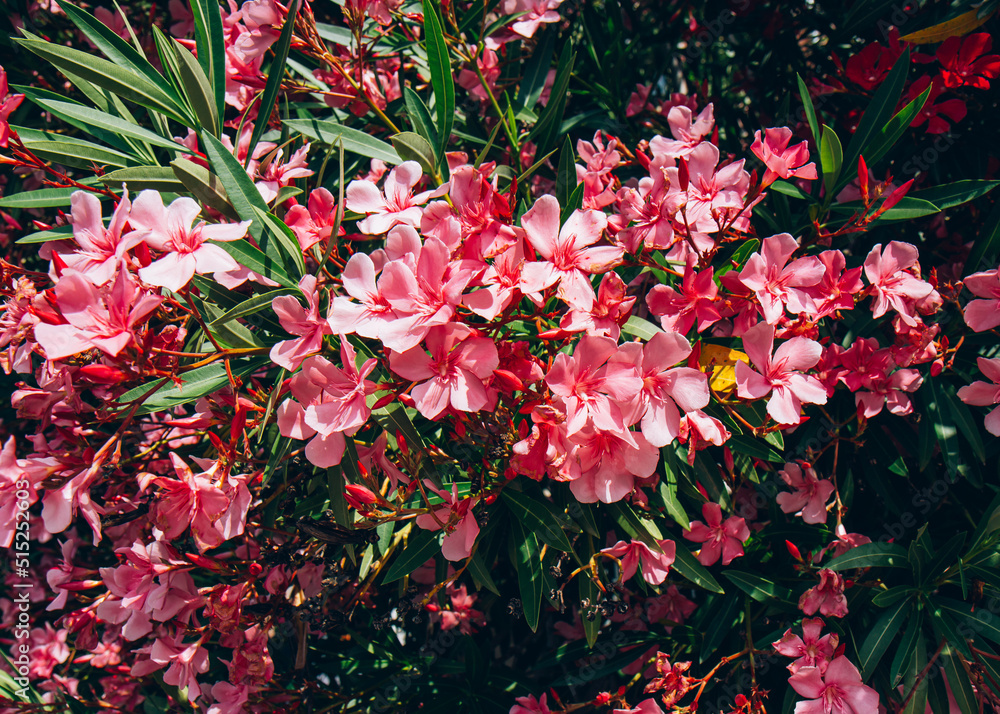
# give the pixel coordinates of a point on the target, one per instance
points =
(57, 233)
(589, 593)
(546, 130)
(194, 384)
(119, 80)
(204, 186)
(442, 80)
(907, 209)
(754, 447)
(904, 651)
(138, 178)
(248, 256)
(538, 519)
(251, 306)
(668, 491)
(880, 637)
(978, 622)
(688, 567)
(412, 147)
(108, 122)
(41, 198)
(338, 502)
(358, 142)
(988, 524)
(915, 690)
(78, 153)
(117, 50)
(810, 111)
(566, 176)
(199, 91)
(871, 555)
(291, 250)
(954, 194)
(240, 190)
(944, 429)
(721, 623)
(968, 427)
(760, 589)
(831, 156)
(897, 126)
(986, 249)
(274, 75)
(958, 681)
(863, 15)
(878, 113)
(739, 257)
(528, 561)
(640, 327)
(481, 574)
(790, 189)
(536, 69)
(211, 44)
(420, 116)
(419, 549)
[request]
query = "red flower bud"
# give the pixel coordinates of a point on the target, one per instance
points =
(793, 550)
(359, 497)
(102, 374)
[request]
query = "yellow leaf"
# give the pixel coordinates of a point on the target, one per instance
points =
(723, 361)
(955, 27)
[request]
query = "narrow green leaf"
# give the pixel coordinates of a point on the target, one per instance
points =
(102, 120)
(194, 385)
(904, 651)
(688, 567)
(958, 680)
(986, 249)
(528, 561)
(198, 90)
(40, 198)
(290, 249)
(138, 178)
(944, 429)
(878, 113)
(810, 111)
(566, 176)
(988, 524)
(358, 142)
(442, 80)
(211, 44)
(754, 447)
(128, 85)
(915, 690)
(250, 306)
(536, 69)
(250, 257)
(412, 147)
(538, 519)
(871, 555)
(57, 233)
(722, 622)
(640, 327)
(481, 574)
(790, 189)
(954, 194)
(589, 593)
(760, 589)
(968, 427)
(547, 128)
(241, 192)
(891, 132)
(880, 637)
(420, 116)
(204, 186)
(975, 623)
(419, 549)
(78, 153)
(831, 156)
(668, 491)
(274, 76)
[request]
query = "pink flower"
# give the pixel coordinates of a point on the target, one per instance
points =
(867, 368)
(673, 681)
(693, 300)
(838, 690)
(530, 705)
(537, 12)
(314, 224)
(778, 285)
(605, 315)
(984, 394)
(567, 259)
(186, 662)
(307, 324)
(170, 231)
(335, 404)
(276, 175)
(781, 160)
(502, 280)
(459, 522)
(605, 464)
(229, 698)
(455, 370)
(891, 274)
(648, 706)
(592, 387)
(8, 103)
(665, 387)
(720, 538)
(687, 129)
(811, 650)
(983, 314)
(780, 373)
(105, 318)
(101, 250)
(396, 206)
(827, 597)
(655, 566)
(190, 499)
(372, 312)
(810, 494)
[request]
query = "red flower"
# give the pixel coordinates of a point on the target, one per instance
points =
(933, 112)
(870, 66)
(965, 63)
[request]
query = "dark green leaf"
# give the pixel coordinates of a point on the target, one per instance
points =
(442, 80)
(721, 623)
(481, 574)
(958, 681)
(891, 132)
(944, 429)
(291, 250)
(194, 385)
(810, 111)
(528, 560)
(688, 567)
(198, 90)
(668, 491)
(75, 152)
(831, 156)
(546, 130)
(40, 198)
(880, 637)
(537, 518)
(248, 256)
(204, 186)
(760, 589)
(102, 120)
(420, 548)
(138, 178)
(536, 69)
(420, 116)
(790, 189)
(358, 142)
(904, 651)
(954, 194)
(274, 76)
(871, 555)
(742, 444)
(211, 44)
(412, 147)
(987, 246)
(566, 177)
